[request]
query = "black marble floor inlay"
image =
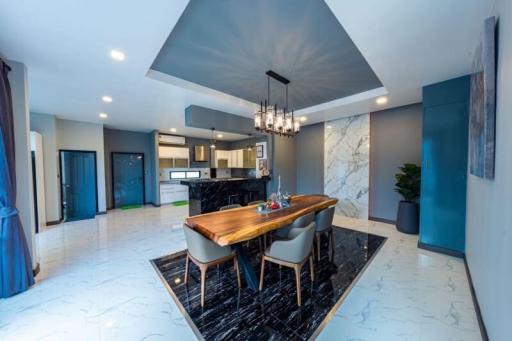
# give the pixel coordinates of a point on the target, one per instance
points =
(233, 314)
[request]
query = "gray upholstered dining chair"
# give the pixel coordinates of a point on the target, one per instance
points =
(204, 253)
(323, 220)
(292, 253)
(300, 222)
(229, 207)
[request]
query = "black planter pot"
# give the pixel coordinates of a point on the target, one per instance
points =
(407, 220)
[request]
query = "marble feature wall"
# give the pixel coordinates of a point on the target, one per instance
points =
(346, 164)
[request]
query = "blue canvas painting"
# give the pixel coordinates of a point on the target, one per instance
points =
(482, 111)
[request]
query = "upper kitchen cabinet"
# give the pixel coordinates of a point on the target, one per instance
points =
(222, 159)
(249, 158)
(239, 158)
(175, 157)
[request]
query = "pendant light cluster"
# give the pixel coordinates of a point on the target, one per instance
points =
(273, 120)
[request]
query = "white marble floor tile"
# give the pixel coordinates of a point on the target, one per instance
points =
(96, 283)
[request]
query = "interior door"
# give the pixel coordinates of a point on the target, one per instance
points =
(128, 179)
(78, 185)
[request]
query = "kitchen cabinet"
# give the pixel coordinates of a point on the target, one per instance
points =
(178, 156)
(236, 158)
(249, 158)
(222, 159)
(170, 193)
(239, 158)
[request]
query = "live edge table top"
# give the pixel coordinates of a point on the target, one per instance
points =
(240, 224)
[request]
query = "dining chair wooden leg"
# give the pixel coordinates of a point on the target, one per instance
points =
(318, 245)
(311, 267)
(262, 272)
(186, 270)
(297, 268)
(237, 269)
(203, 269)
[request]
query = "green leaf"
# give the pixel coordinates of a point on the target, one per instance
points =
(408, 181)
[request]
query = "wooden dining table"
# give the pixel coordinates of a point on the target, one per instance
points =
(235, 226)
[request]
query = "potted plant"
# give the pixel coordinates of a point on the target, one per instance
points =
(408, 182)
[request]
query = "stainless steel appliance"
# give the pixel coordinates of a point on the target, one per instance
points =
(201, 153)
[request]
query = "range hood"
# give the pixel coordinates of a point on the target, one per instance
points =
(201, 153)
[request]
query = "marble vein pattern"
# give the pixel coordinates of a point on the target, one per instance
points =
(346, 168)
(96, 283)
(232, 314)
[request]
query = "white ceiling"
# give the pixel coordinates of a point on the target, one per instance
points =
(66, 44)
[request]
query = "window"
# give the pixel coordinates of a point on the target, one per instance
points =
(193, 175)
(178, 175)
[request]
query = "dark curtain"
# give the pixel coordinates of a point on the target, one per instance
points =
(15, 263)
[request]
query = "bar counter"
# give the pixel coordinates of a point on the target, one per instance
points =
(208, 195)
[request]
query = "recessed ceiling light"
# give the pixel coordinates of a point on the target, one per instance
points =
(103, 115)
(117, 55)
(381, 100)
(106, 99)
(220, 136)
(303, 119)
(173, 130)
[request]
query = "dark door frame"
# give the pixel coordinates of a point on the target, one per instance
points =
(112, 175)
(60, 177)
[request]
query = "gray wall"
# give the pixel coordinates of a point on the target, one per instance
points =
(281, 152)
(76, 135)
(24, 190)
(133, 142)
(489, 216)
(310, 159)
(46, 125)
(395, 138)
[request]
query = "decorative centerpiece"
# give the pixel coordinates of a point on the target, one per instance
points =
(276, 201)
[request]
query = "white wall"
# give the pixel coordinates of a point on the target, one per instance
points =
(46, 125)
(36, 142)
(24, 196)
(76, 135)
(489, 213)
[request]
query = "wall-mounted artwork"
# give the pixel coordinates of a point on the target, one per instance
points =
(482, 111)
(259, 151)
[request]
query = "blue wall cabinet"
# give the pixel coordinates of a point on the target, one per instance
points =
(444, 160)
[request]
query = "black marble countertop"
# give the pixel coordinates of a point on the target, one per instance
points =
(216, 180)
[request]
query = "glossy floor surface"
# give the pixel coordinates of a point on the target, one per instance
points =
(96, 283)
(273, 313)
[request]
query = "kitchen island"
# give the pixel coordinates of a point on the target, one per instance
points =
(209, 195)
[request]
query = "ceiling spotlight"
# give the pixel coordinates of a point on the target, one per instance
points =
(220, 136)
(106, 99)
(103, 115)
(173, 130)
(303, 119)
(381, 100)
(117, 55)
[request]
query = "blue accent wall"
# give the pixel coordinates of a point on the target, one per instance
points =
(444, 160)
(130, 142)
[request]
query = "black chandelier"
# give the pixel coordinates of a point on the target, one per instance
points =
(270, 119)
